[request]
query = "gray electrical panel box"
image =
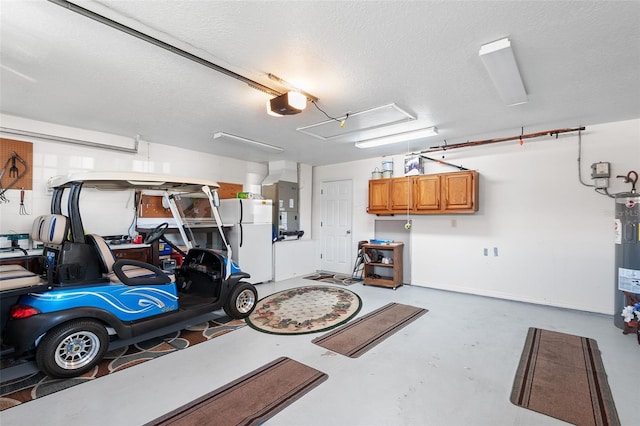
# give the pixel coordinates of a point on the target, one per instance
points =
(600, 170)
(286, 219)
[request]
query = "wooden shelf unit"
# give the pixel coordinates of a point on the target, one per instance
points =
(384, 274)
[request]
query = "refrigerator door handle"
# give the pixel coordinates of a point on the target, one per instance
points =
(240, 201)
(240, 226)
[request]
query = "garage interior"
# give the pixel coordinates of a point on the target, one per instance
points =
(394, 92)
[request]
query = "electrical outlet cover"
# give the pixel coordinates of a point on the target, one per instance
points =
(601, 183)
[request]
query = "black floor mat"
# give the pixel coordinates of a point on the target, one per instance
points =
(191, 299)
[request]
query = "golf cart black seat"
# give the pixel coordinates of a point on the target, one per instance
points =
(128, 272)
(68, 263)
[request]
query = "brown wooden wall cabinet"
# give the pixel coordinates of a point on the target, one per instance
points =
(442, 193)
(400, 194)
(384, 274)
(378, 195)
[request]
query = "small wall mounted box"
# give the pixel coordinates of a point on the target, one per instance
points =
(600, 170)
(601, 183)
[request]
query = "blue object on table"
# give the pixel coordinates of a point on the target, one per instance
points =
(380, 241)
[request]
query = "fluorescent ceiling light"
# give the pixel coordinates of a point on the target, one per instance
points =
(501, 65)
(398, 137)
(224, 135)
(357, 121)
(55, 138)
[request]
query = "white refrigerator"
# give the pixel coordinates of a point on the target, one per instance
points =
(248, 227)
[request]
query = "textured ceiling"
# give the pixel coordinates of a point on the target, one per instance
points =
(580, 63)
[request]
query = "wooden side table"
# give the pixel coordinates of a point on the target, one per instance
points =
(386, 269)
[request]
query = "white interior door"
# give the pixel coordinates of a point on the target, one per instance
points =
(337, 202)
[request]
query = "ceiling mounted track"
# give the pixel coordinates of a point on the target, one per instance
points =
(520, 137)
(290, 86)
(173, 49)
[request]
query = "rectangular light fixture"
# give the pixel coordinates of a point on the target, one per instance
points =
(54, 138)
(398, 137)
(223, 135)
(501, 65)
(371, 118)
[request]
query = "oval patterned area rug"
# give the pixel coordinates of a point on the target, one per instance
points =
(302, 310)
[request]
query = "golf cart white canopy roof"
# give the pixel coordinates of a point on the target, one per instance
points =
(131, 180)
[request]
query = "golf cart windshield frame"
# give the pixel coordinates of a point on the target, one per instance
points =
(120, 181)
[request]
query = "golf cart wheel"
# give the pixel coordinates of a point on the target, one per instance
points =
(72, 349)
(241, 301)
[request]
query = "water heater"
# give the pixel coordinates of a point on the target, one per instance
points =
(627, 257)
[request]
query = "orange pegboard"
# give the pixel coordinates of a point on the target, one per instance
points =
(25, 150)
(229, 190)
(151, 206)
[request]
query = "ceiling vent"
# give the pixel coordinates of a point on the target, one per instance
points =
(357, 122)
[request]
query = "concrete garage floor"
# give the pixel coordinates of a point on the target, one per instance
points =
(453, 366)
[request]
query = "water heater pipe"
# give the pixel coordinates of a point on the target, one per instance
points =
(628, 179)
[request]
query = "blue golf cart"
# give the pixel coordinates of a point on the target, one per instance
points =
(85, 300)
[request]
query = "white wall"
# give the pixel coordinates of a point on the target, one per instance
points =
(293, 258)
(554, 236)
(108, 213)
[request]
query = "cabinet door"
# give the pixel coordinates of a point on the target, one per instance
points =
(378, 195)
(459, 191)
(427, 189)
(401, 194)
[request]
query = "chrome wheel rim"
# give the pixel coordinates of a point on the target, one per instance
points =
(245, 301)
(77, 350)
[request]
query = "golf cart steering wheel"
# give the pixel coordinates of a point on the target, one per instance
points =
(156, 233)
